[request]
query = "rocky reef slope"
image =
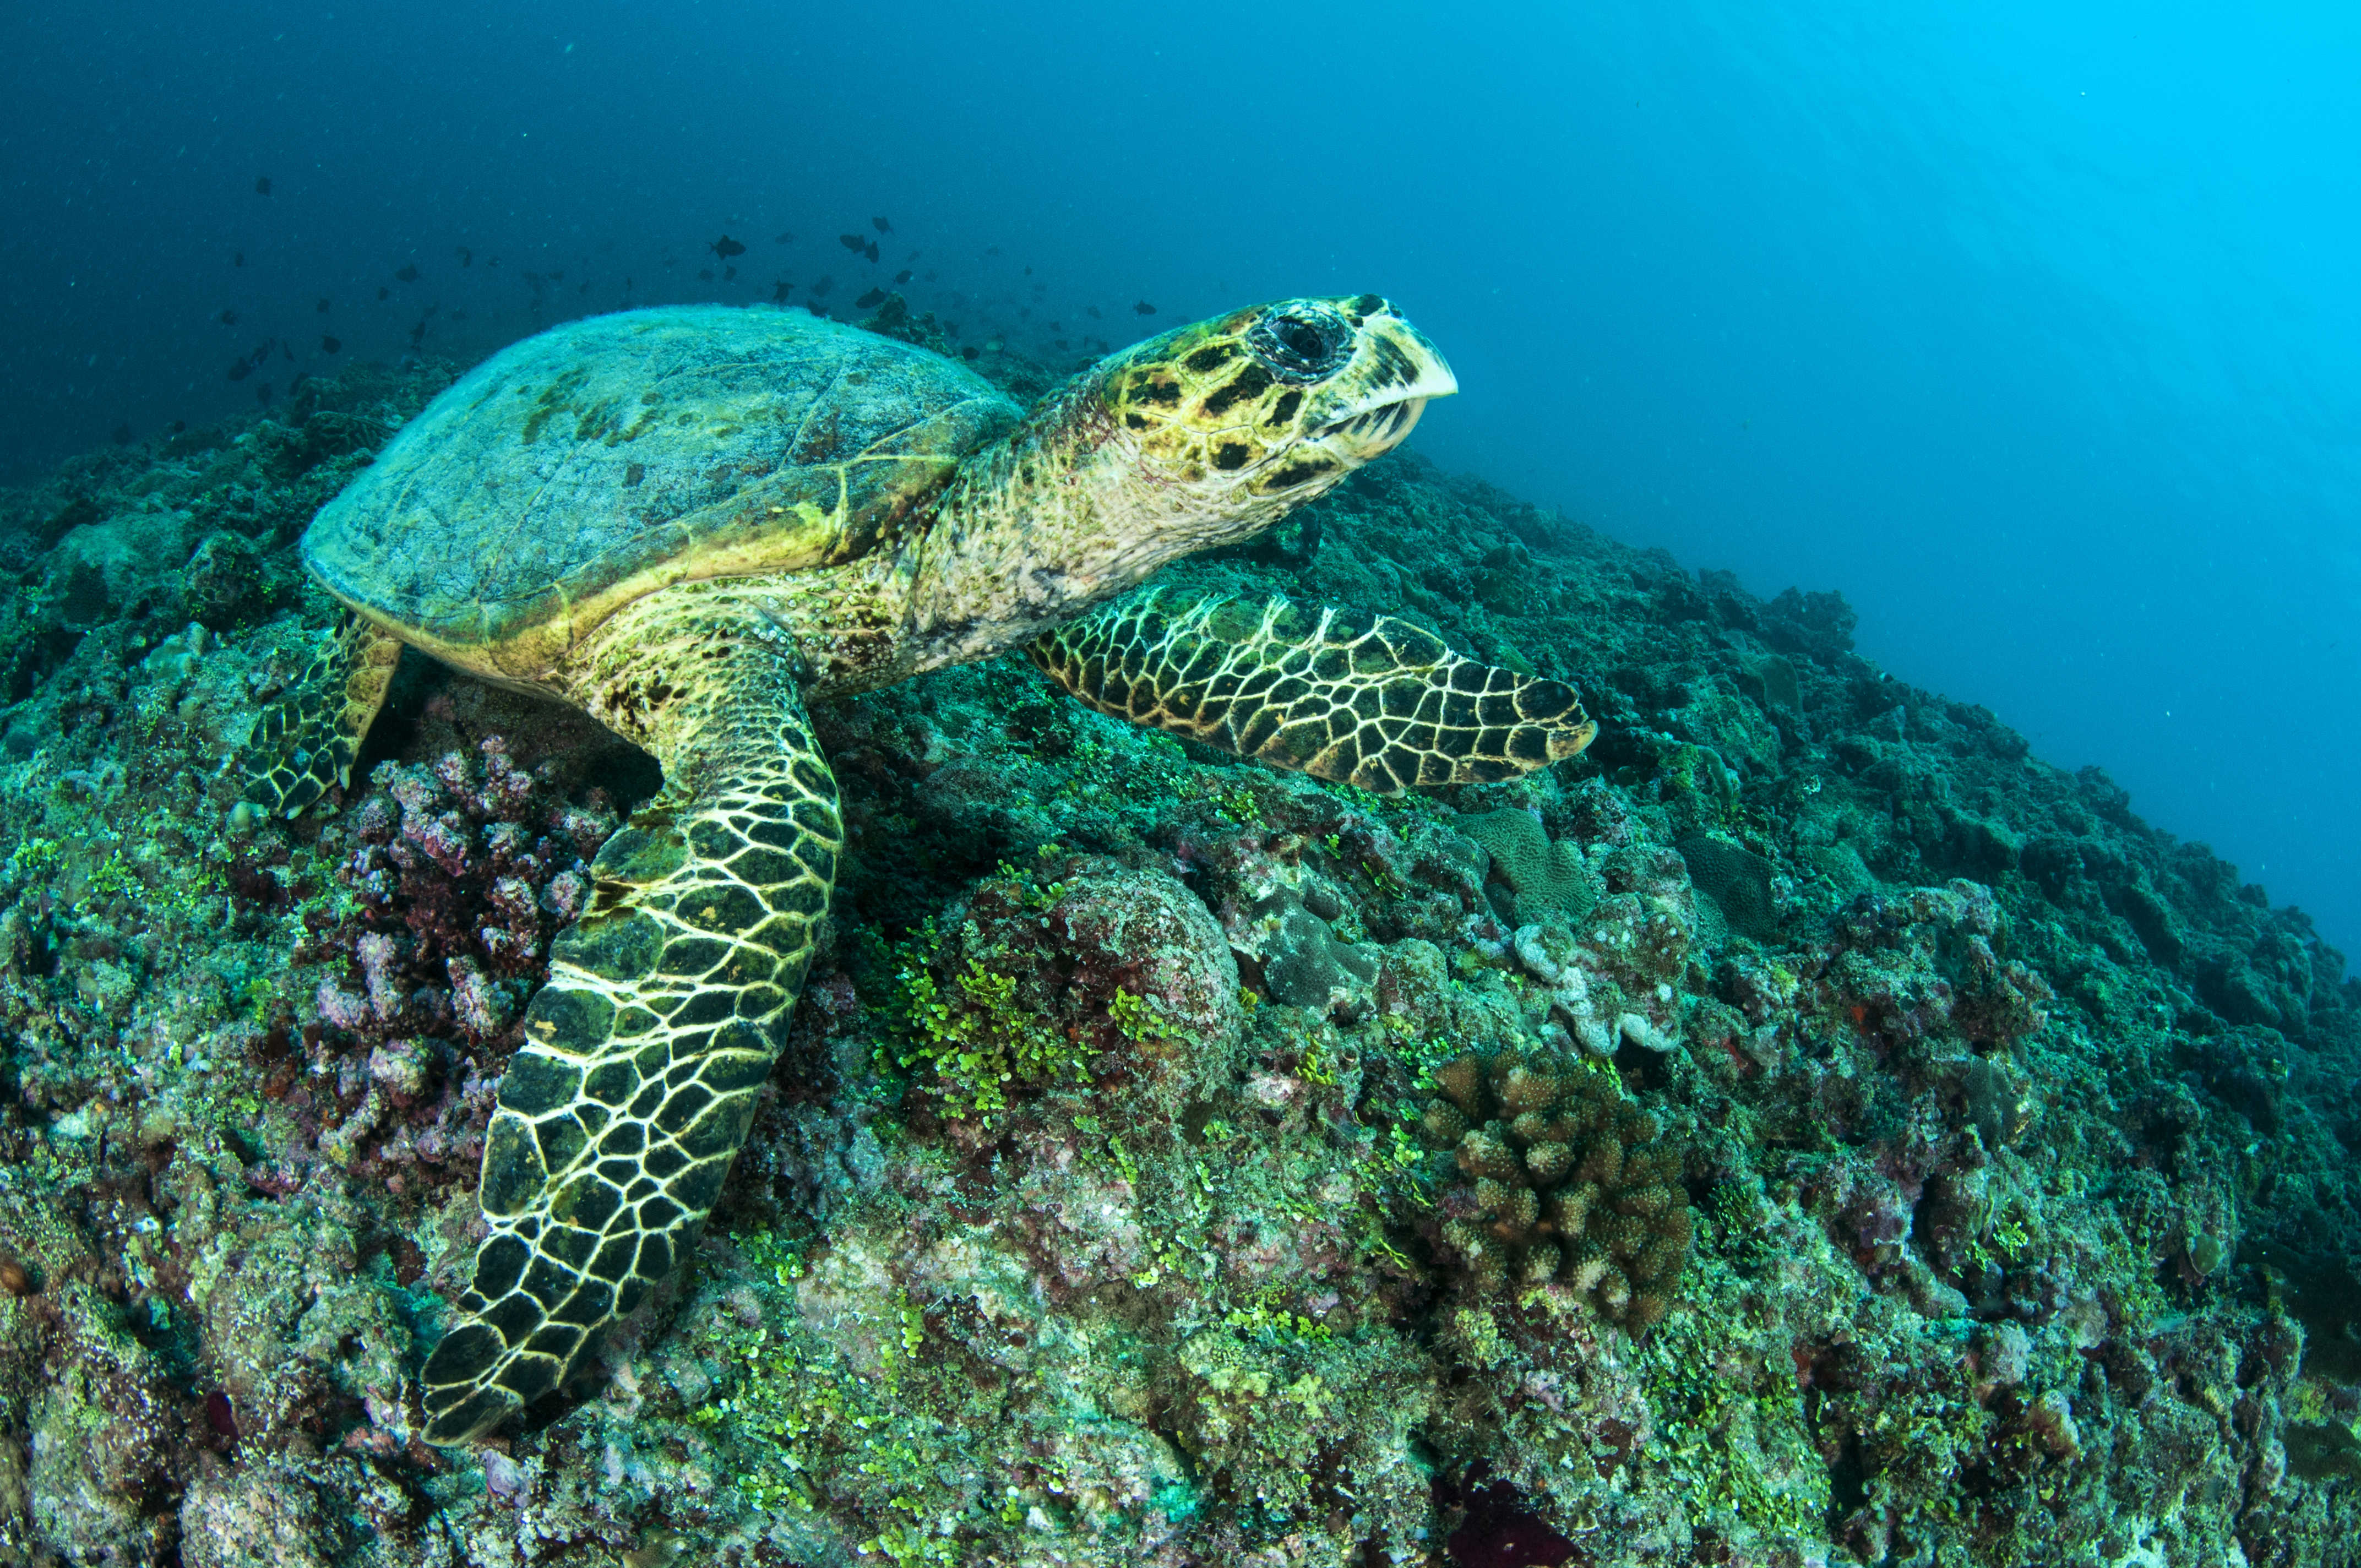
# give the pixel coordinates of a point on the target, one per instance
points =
(1804, 1129)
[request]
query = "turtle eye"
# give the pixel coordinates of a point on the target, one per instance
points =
(1302, 343)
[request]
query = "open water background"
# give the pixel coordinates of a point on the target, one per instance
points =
(2032, 327)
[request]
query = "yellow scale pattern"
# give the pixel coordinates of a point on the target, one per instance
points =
(303, 746)
(1364, 699)
(665, 1004)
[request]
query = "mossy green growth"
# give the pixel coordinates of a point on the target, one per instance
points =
(1715, 1433)
(34, 860)
(1696, 785)
(970, 1040)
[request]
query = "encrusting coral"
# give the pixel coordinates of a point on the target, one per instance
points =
(1736, 880)
(1573, 1185)
(1549, 880)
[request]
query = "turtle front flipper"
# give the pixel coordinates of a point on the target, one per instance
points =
(303, 745)
(665, 1005)
(1364, 699)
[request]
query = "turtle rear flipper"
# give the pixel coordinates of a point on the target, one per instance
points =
(303, 745)
(665, 1005)
(1362, 699)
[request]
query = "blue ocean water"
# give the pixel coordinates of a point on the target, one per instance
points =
(2032, 331)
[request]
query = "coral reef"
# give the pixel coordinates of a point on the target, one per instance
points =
(1093, 1215)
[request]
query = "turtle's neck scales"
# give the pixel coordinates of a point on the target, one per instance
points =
(1036, 528)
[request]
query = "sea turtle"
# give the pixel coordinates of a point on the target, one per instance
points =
(688, 520)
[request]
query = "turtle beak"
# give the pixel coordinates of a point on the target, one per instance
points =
(1375, 402)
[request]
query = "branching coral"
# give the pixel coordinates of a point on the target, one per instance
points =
(1572, 1185)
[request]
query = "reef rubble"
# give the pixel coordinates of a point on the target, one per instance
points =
(1162, 1168)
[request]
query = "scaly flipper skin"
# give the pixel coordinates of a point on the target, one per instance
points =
(665, 1005)
(303, 746)
(1362, 699)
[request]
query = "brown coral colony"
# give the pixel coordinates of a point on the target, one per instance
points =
(1572, 1186)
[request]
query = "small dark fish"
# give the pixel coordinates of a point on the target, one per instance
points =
(869, 250)
(227, 318)
(417, 335)
(727, 274)
(852, 242)
(586, 288)
(881, 225)
(458, 315)
(704, 274)
(262, 393)
(1056, 326)
(820, 290)
(408, 273)
(383, 292)
(1144, 308)
(286, 350)
(784, 236)
(992, 250)
(779, 292)
(903, 276)
(323, 307)
(123, 434)
(330, 344)
(177, 427)
(558, 276)
(239, 369)
(726, 247)
(970, 352)
(466, 256)
(1093, 312)
(1028, 272)
(262, 186)
(237, 258)
(871, 299)
(932, 274)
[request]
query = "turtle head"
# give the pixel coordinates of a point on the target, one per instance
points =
(1204, 436)
(1254, 412)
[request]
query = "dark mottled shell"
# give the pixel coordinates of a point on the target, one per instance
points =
(602, 460)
